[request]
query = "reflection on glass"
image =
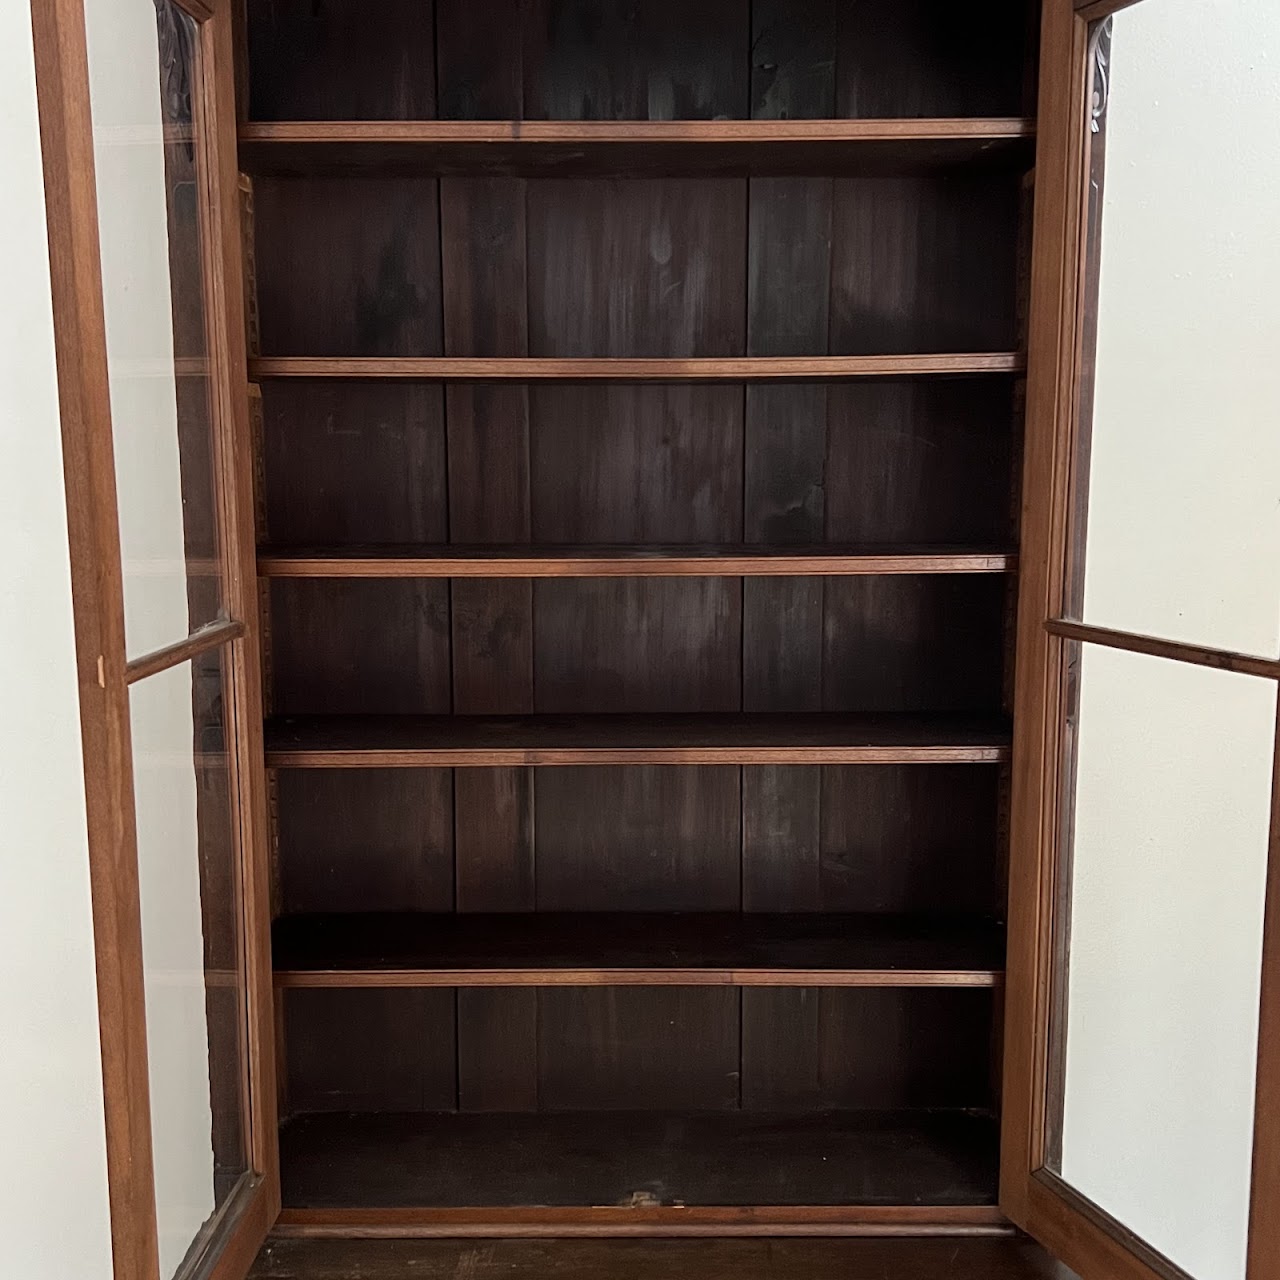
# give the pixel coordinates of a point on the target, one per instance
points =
(1184, 480)
(191, 946)
(143, 72)
(1165, 880)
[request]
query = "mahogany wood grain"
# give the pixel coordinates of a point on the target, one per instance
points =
(577, 132)
(1056, 268)
(696, 1222)
(1264, 1228)
(624, 147)
(289, 1258)
(471, 741)
(66, 136)
(204, 639)
(634, 948)
(228, 325)
(1158, 647)
(634, 369)
(455, 561)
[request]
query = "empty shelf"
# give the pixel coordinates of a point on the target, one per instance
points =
(450, 561)
(601, 368)
(404, 949)
(445, 1159)
(413, 741)
(652, 148)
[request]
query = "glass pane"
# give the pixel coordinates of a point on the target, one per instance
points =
(1184, 484)
(1166, 885)
(143, 71)
(191, 946)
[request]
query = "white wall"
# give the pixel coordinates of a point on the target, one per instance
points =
(54, 1222)
(1184, 541)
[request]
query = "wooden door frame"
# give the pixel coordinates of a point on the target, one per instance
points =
(103, 670)
(1083, 1236)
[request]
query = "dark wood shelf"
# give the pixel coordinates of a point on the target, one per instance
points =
(403, 949)
(444, 1159)
(658, 148)
(643, 369)
(455, 561)
(412, 741)
(917, 1257)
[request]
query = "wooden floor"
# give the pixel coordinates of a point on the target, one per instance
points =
(760, 1259)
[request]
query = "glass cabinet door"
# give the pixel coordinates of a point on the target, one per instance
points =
(190, 686)
(1151, 637)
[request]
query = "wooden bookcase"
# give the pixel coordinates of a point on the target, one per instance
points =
(637, 538)
(637, 458)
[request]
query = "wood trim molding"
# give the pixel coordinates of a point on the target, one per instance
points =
(224, 272)
(1081, 1235)
(1264, 1222)
(665, 1220)
(1095, 1247)
(1175, 650)
(1053, 341)
(66, 137)
(192, 646)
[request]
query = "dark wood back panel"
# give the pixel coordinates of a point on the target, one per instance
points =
(659, 266)
(623, 60)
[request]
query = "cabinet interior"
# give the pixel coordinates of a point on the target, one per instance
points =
(638, 734)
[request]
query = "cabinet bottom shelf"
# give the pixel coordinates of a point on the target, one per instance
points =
(770, 1259)
(638, 1160)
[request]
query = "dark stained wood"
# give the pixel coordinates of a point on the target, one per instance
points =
(637, 645)
(483, 255)
(407, 741)
(636, 948)
(920, 459)
(634, 369)
(611, 1157)
(498, 1049)
(370, 1051)
(347, 268)
(667, 840)
(617, 60)
(924, 264)
(365, 839)
(913, 1259)
(811, 1048)
(335, 60)
(918, 58)
(636, 1049)
(425, 561)
(663, 1221)
(729, 148)
(891, 838)
(703, 458)
(914, 644)
(784, 465)
(354, 463)
(395, 635)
